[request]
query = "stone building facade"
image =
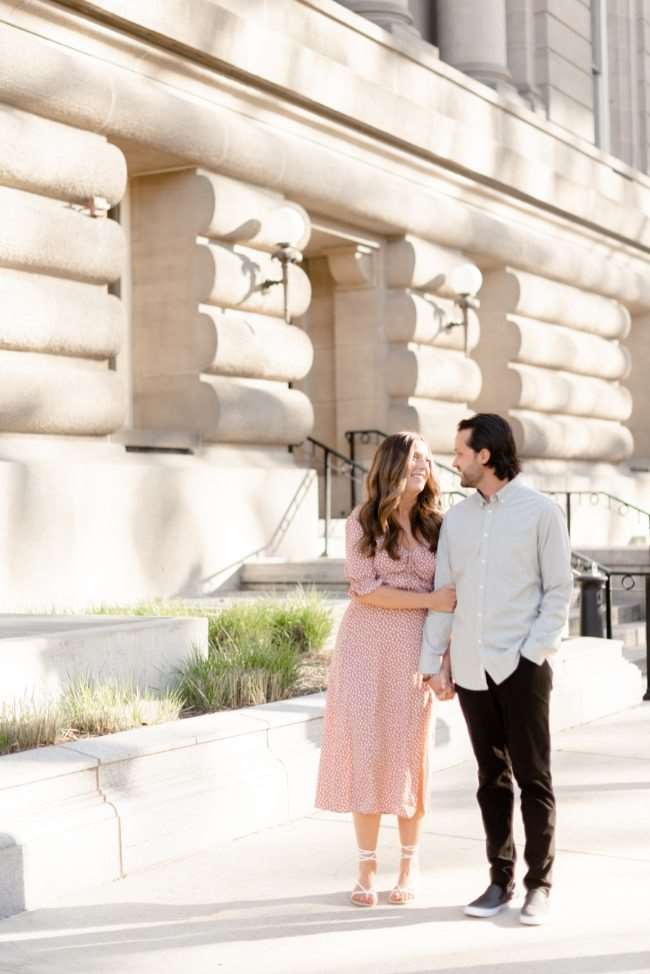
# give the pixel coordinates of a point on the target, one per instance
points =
(153, 157)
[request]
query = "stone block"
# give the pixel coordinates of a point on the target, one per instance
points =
(434, 419)
(56, 830)
(54, 394)
(38, 657)
(428, 373)
(51, 159)
(521, 293)
(41, 235)
(570, 437)
(59, 317)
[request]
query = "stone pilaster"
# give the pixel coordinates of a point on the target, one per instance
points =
(429, 379)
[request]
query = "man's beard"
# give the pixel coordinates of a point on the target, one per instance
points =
(467, 480)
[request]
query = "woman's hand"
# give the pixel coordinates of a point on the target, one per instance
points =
(444, 599)
(442, 684)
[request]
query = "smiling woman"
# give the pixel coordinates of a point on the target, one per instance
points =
(374, 750)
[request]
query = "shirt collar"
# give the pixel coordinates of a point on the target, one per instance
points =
(502, 496)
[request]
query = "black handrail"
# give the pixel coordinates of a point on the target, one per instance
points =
(584, 565)
(377, 435)
(568, 495)
(580, 563)
(353, 470)
(595, 497)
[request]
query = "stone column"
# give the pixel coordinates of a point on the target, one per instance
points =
(392, 15)
(521, 51)
(472, 38)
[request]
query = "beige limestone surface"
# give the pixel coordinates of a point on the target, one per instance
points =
(276, 901)
(138, 527)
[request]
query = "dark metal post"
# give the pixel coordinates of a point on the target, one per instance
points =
(328, 501)
(568, 518)
(646, 695)
(353, 479)
(465, 306)
(608, 596)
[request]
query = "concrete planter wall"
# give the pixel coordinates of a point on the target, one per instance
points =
(94, 810)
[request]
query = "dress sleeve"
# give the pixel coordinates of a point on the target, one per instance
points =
(359, 569)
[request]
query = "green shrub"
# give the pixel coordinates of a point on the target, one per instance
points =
(301, 621)
(254, 648)
(222, 683)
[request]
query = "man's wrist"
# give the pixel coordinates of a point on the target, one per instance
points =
(432, 665)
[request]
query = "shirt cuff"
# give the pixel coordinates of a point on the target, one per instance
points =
(430, 661)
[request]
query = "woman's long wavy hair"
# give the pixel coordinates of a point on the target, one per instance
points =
(385, 484)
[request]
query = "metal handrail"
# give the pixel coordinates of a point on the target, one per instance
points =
(355, 471)
(365, 435)
(583, 564)
(594, 496)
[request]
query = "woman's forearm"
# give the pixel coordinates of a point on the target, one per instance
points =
(395, 598)
(384, 597)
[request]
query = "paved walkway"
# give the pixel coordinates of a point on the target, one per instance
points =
(276, 903)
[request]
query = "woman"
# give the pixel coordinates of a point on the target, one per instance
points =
(374, 751)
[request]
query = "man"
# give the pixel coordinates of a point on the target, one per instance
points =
(506, 549)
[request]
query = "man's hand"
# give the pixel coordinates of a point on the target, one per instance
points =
(441, 685)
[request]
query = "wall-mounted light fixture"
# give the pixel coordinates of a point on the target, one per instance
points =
(290, 229)
(465, 281)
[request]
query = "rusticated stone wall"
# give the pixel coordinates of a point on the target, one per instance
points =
(429, 379)
(59, 326)
(212, 354)
(552, 358)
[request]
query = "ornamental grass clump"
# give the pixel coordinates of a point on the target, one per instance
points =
(255, 652)
(92, 707)
(29, 724)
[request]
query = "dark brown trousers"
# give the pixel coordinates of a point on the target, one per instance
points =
(509, 730)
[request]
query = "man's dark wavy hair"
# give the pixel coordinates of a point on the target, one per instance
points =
(489, 431)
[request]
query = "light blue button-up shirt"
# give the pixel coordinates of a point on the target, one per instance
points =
(510, 560)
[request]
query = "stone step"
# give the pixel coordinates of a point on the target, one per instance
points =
(632, 634)
(274, 575)
(629, 556)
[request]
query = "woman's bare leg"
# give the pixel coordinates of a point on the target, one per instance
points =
(410, 830)
(366, 828)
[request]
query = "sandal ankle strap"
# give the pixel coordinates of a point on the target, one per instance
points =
(367, 855)
(409, 851)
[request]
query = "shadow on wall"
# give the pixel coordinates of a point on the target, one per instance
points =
(165, 535)
(211, 584)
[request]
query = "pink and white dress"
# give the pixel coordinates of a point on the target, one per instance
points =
(378, 711)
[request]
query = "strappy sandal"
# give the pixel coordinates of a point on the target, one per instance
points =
(361, 895)
(401, 895)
